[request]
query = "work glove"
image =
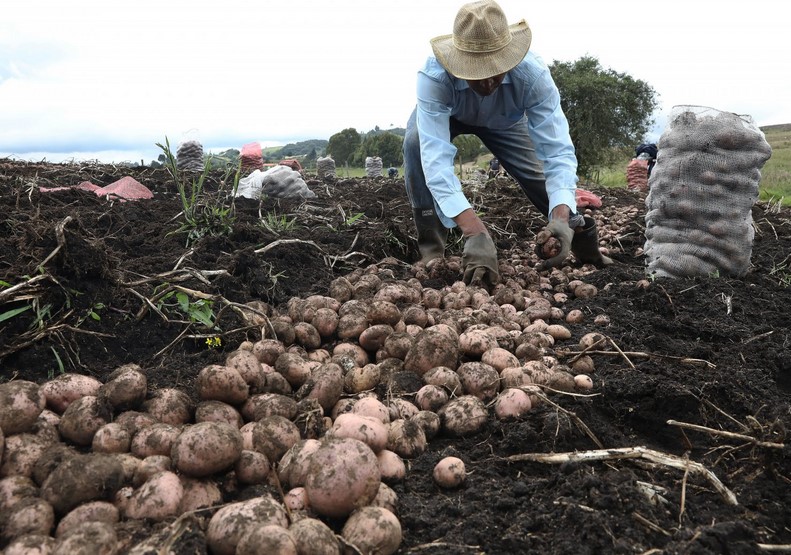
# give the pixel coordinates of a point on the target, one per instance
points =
(553, 244)
(480, 260)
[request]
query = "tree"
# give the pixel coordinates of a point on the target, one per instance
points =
(607, 111)
(468, 148)
(343, 145)
(388, 146)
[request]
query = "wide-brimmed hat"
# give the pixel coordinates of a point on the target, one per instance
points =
(482, 44)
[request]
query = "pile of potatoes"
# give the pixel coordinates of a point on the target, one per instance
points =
(318, 418)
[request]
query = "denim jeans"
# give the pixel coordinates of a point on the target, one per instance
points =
(511, 146)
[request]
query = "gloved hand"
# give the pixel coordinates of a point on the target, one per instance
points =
(560, 231)
(480, 260)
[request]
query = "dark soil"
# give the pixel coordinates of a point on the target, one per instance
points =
(711, 351)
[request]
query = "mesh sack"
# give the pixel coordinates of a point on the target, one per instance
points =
(252, 157)
(701, 193)
(637, 175)
(373, 166)
(325, 167)
(189, 156)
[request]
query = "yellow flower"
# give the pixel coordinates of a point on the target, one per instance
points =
(213, 342)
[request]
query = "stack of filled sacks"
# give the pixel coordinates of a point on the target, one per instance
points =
(189, 156)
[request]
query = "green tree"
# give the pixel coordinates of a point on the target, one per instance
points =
(607, 111)
(388, 146)
(343, 145)
(468, 148)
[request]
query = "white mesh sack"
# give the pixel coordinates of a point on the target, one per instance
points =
(373, 166)
(278, 182)
(325, 166)
(189, 155)
(701, 193)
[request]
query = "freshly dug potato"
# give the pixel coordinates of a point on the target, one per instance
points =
(267, 404)
(397, 345)
(133, 421)
(157, 439)
(325, 384)
(267, 350)
(89, 538)
(21, 403)
(29, 515)
(50, 459)
(65, 388)
(101, 511)
(429, 421)
(386, 498)
(326, 322)
(252, 467)
(157, 499)
(83, 418)
(274, 435)
(474, 342)
(512, 403)
(359, 379)
(499, 358)
(15, 488)
(198, 494)
(82, 478)
(294, 368)
(391, 466)
(406, 438)
(206, 448)
(249, 367)
(222, 383)
(463, 416)
(295, 463)
(479, 379)
(431, 397)
(169, 406)
(450, 472)
(150, 466)
(373, 530)
(111, 438)
(125, 388)
(357, 354)
(296, 499)
(307, 335)
(313, 536)
(369, 430)
(231, 522)
(31, 544)
(343, 475)
(373, 338)
(217, 411)
(402, 408)
(22, 452)
(266, 538)
(432, 348)
(583, 381)
(583, 365)
(373, 407)
(444, 377)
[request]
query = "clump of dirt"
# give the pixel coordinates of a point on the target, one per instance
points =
(89, 285)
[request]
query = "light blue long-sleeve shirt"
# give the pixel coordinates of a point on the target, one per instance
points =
(529, 91)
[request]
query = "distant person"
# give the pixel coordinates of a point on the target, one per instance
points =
(494, 168)
(649, 152)
(483, 81)
(392, 173)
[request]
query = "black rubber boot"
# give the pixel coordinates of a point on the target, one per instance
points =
(431, 234)
(585, 245)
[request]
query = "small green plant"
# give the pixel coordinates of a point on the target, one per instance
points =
(203, 213)
(61, 367)
(199, 311)
(782, 272)
(278, 224)
(353, 219)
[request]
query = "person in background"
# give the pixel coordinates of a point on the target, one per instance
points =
(494, 168)
(483, 80)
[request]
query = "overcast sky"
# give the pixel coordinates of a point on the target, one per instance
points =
(97, 79)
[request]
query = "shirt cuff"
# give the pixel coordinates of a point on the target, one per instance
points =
(451, 206)
(563, 196)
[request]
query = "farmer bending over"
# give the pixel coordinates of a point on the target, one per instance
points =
(483, 81)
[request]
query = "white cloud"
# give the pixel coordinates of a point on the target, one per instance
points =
(87, 76)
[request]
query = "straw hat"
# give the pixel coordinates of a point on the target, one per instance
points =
(482, 44)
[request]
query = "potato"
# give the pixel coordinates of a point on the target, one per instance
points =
(463, 416)
(343, 475)
(294, 465)
(267, 404)
(499, 358)
(350, 326)
(386, 498)
(231, 522)
(307, 335)
(13, 489)
(294, 368)
(296, 499)
(157, 439)
(583, 381)
(65, 388)
(391, 466)
(21, 402)
(397, 345)
(133, 421)
(169, 406)
(206, 448)
(95, 511)
(583, 365)
(157, 499)
(373, 407)
(401, 408)
(217, 411)
(373, 338)
(221, 383)
(444, 377)
(372, 431)
(83, 418)
(360, 379)
(474, 342)
(274, 435)
(252, 467)
(358, 355)
(22, 452)
(248, 366)
(512, 403)
(325, 384)
(29, 515)
(479, 379)
(406, 438)
(50, 459)
(267, 350)
(449, 472)
(594, 341)
(429, 421)
(266, 538)
(373, 530)
(431, 397)
(125, 388)
(432, 348)
(341, 289)
(82, 478)
(89, 538)
(149, 466)
(31, 544)
(198, 494)
(111, 438)
(313, 536)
